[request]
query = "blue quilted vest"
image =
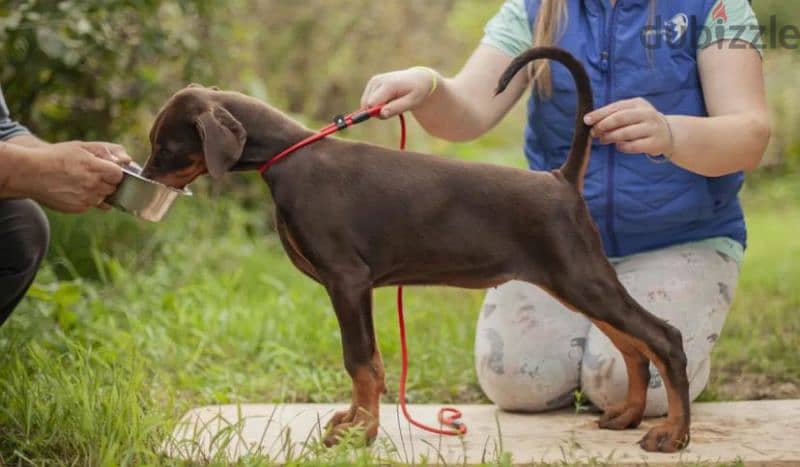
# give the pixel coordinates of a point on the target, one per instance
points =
(638, 204)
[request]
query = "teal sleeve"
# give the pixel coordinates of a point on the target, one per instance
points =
(731, 20)
(723, 245)
(726, 246)
(509, 30)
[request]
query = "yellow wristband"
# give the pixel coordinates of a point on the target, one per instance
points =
(434, 75)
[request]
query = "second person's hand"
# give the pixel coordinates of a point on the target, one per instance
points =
(634, 125)
(399, 91)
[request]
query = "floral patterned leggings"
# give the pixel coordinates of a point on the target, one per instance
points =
(532, 353)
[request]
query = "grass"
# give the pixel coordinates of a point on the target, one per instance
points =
(100, 370)
(127, 328)
(756, 356)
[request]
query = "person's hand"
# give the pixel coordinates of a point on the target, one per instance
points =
(634, 125)
(400, 91)
(76, 176)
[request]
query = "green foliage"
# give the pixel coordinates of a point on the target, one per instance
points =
(783, 97)
(783, 12)
(99, 69)
(93, 69)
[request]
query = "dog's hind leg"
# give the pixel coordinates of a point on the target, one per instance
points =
(351, 295)
(629, 413)
(590, 286)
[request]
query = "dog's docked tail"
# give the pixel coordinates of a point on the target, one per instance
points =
(574, 167)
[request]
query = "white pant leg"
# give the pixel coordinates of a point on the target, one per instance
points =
(528, 348)
(689, 286)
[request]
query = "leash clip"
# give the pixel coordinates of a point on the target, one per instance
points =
(340, 121)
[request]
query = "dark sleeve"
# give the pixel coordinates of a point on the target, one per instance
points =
(9, 128)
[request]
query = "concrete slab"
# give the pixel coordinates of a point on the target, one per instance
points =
(757, 433)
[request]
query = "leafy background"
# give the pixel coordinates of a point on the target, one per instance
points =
(129, 323)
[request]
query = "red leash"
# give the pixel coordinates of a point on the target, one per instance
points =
(340, 122)
(447, 416)
(453, 417)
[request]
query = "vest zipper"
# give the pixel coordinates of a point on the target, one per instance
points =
(607, 57)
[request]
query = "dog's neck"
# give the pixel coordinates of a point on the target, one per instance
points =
(269, 131)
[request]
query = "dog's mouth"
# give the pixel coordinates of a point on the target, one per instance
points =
(178, 179)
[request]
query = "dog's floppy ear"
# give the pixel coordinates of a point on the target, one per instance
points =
(223, 139)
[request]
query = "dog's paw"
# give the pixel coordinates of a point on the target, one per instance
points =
(342, 416)
(668, 437)
(621, 417)
(358, 426)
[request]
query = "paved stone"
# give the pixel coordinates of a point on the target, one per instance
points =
(757, 432)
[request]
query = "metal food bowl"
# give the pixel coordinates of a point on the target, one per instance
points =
(142, 197)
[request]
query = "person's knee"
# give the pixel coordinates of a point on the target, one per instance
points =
(604, 377)
(24, 237)
(528, 349)
(527, 385)
(29, 238)
(517, 378)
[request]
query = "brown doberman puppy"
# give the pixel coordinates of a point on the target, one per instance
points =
(355, 216)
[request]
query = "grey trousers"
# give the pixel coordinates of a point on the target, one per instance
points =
(532, 353)
(24, 236)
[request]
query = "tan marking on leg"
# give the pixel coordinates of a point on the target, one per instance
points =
(672, 435)
(631, 412)
(364, 412)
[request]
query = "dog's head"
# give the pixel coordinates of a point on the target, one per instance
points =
(194, 134)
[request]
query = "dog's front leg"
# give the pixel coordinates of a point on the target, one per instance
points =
(352, 301)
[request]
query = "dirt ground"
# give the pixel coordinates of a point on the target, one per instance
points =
(752, 386)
